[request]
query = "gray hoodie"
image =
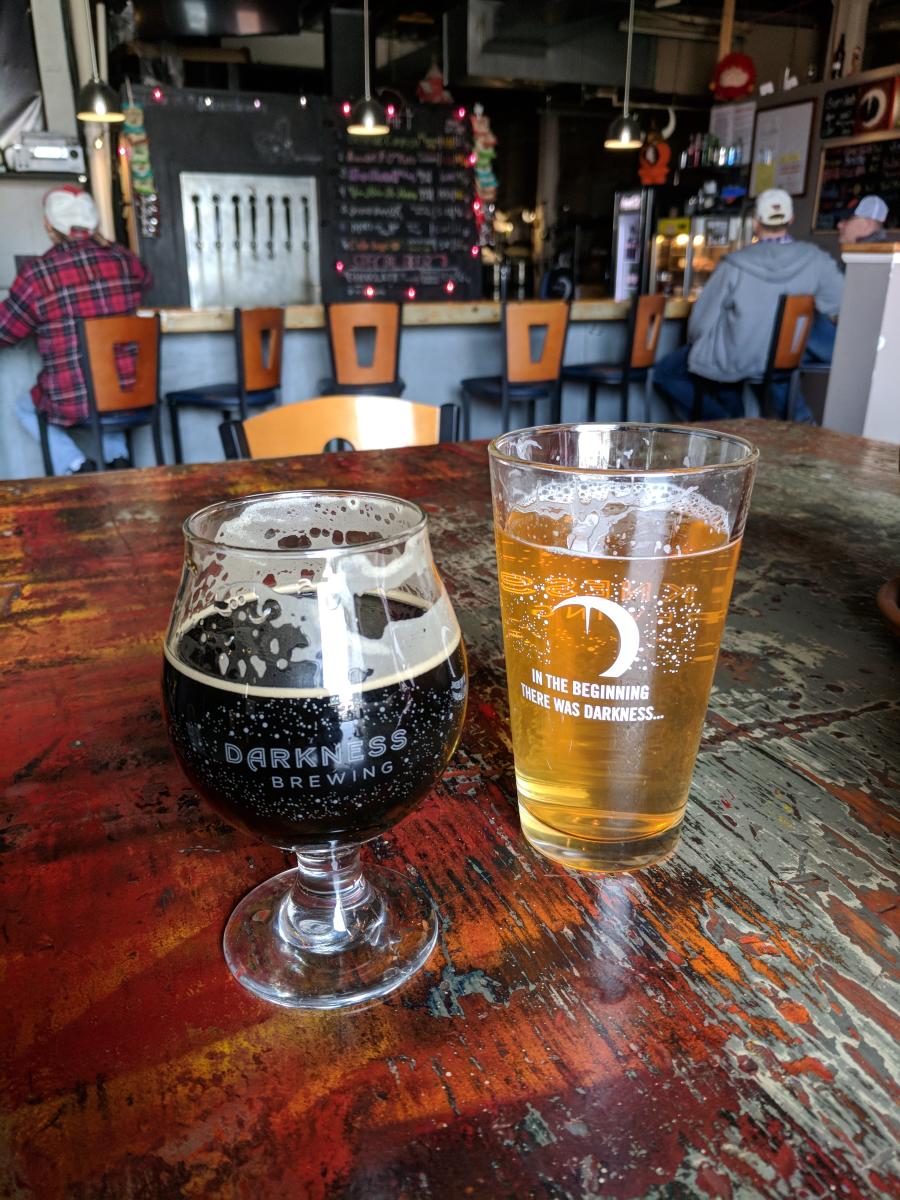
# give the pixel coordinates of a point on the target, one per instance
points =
(732, 319)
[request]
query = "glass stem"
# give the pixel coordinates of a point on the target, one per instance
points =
(331, 904)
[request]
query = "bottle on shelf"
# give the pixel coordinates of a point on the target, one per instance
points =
(837, 63)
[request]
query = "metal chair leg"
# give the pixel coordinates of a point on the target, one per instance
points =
(648, 396)
(591, 414)
(45, 444)
(623, 411)
(556, 405)
(157, 438)
(176, 432)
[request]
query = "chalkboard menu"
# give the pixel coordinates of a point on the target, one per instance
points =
(399, 221)
(851, 172)
(838, 113)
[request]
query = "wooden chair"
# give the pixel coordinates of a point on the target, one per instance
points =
(644, 327)
(104, 343)
(259, 340)
(793, 321)
(352, 371)
(531, 372)
(340, 422)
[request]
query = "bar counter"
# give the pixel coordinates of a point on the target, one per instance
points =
(441, 344)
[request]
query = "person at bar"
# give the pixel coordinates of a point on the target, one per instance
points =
(81, 275)
(865, 223)
(730, 326)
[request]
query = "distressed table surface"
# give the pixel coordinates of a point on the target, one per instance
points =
(724, 1025)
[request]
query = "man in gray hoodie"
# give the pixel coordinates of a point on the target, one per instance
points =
(731, 323)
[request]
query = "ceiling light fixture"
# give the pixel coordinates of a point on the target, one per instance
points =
(367, 118)
(96, 100)
(625, 132)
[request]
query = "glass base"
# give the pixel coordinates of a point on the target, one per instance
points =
(345, 949)
(582, 854)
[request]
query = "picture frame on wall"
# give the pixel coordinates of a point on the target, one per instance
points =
(781, 147)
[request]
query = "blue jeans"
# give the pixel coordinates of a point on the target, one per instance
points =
(64, 453)
(676, 385)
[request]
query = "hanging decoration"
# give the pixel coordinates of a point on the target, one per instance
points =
(431, 90)
(734, 77)
(135, 146)
(654, 160)
(484, 152)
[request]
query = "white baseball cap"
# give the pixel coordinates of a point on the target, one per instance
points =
(774, 207)
(68, 207)
(872, 207)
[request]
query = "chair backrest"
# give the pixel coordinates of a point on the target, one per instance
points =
(648, 320)
(346, 323)
(534, 338)
(361, 422)
(793, 322)
(120, 358)
(260, 338)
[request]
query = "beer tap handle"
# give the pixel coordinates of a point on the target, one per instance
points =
(236, 203)
(253, 223)
(286, 201)
(270, 202)
(305, 202)
(195, 200)
(217, 218)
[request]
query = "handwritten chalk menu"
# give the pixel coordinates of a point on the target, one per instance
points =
(781, 148)
(850, 172)
(400, 212)
(838, 113)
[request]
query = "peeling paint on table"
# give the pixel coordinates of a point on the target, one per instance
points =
(723, 1025)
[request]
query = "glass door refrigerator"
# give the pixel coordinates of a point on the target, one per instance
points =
(632, 229)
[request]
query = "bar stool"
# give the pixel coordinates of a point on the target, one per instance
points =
(793, 321)
(111, 347)
(259, 338)
(355, 422)
(534, 338)
(644, 326)
(359, 364)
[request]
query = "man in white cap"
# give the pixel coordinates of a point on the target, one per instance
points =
(866, 222)
(731, 323)
(81, 275)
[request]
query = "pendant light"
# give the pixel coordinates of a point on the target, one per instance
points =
(367, 118)
(625, 132)
(96, 100)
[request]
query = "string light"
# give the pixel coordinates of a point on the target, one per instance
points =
(461, 113)
(476, 250)
(157, 94)
(476, 205)
(339, 266)
(207, 100)
(473, 159)
(257, 103)
(449, 287)
(303, 102)
(411, 293)
(369, 291)
(346, 107)
(391, 110)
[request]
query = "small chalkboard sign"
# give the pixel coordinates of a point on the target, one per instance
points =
(850, 172)
(399, 222)
(838, 113)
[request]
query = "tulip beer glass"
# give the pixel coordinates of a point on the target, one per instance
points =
(616, 551)
(314, 687)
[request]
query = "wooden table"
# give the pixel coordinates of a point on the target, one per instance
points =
(720, 1026)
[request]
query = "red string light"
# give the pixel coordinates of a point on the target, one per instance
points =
(345, 108)
(157, 94)
(339, 266)
(391, 110)
(369, 291)
(473, 159)
(410, 293)
(461, 113)
(476, 250)
(449, 287)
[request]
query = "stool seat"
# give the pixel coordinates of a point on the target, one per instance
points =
(220, 395)
(610, 374)
(126, 418)
(331, 387)
(490, 387)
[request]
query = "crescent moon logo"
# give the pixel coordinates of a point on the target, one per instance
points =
(626, 627)
(871, 107)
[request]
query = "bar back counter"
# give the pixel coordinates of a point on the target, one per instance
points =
(441, 344)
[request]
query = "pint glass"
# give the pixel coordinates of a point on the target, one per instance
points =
(616, 551)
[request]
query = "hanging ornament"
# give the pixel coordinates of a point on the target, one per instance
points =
(734, 77)
(485, 151)
(431, 89)
(654, 160)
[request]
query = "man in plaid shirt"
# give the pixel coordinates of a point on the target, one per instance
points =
(81, 275)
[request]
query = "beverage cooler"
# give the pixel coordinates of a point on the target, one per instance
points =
(686, 251)
(632, 228)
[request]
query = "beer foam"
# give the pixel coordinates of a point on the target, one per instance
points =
(344, 661)
(643, 514)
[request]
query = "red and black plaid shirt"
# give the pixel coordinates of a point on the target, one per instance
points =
(76, 278)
